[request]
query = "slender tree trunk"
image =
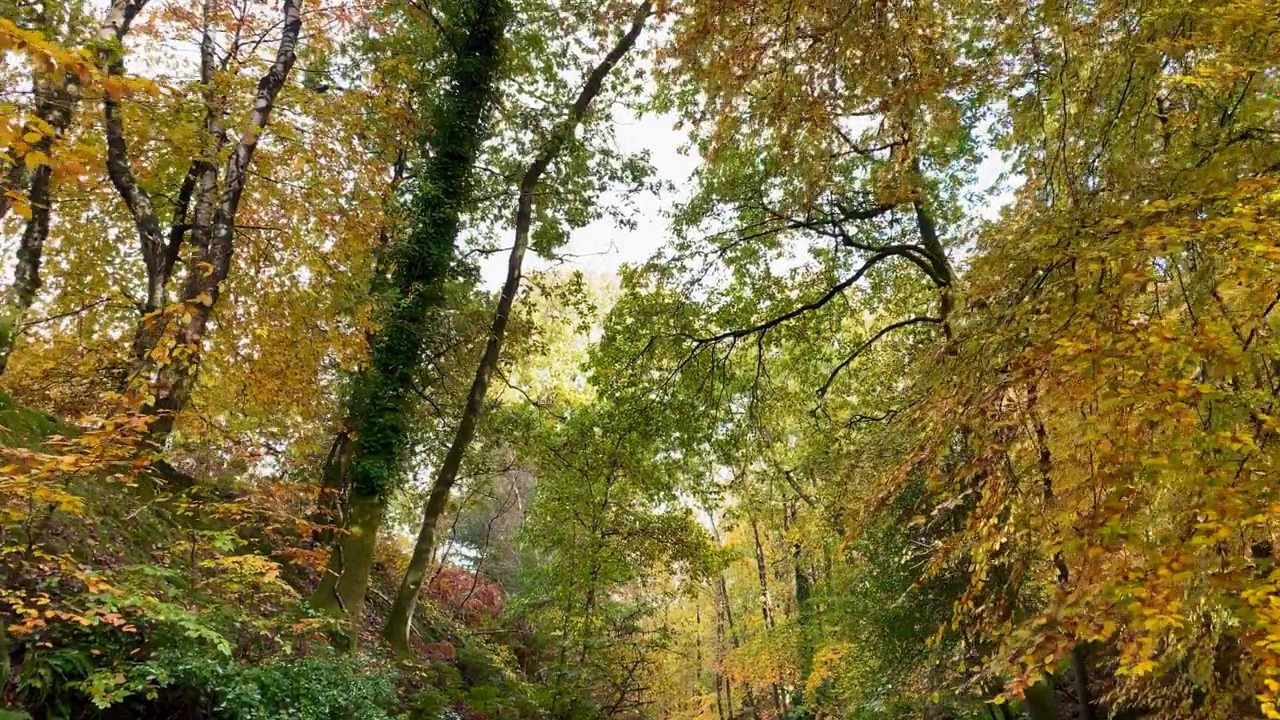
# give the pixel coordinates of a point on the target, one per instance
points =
(725, 609)
(217, 205)
(697, 663)
(766, 604)
(401, 617)
(111, 33)
(383, 398)
(719, 697)
(56, 97)
(331, 499)
(803, 591)
(167, 345)
(1080, 672)
(725, 709)
(766, 609)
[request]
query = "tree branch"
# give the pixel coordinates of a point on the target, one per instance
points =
(871, 341)
(828, 296)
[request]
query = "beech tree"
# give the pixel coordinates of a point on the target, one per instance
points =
(168, 340)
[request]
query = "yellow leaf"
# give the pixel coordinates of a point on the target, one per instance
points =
(34, 159)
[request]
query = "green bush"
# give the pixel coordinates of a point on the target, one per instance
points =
(329, 687)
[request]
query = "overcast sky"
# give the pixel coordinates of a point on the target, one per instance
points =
(602, 247)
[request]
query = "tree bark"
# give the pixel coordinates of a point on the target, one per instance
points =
(111, 33)
(166, 345)
(211, 263)
(331, 498)
(725, 710)
(766, 604)
(342, 589)
(383, 398)
(1080, 672)
(56, 97)
(1040, 701)
(401, 617)
(803, 590)
(14, 181)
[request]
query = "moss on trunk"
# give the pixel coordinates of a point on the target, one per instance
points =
(383, 399)
(346, 580)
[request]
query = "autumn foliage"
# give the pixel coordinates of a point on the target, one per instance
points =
(949, 390)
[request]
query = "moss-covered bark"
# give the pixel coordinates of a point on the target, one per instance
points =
(400, 620)
(382, 401)
(342, 589)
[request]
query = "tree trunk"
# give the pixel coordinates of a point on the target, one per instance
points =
(382, 403)
(212, 234)
(166, 345)
(697, 662)
(14, 181)
(1041, 702)
(401, 617)
(725, 709)
(1080, 673)
(331, 498)
(341, 592)
(766, 604)
(56, 97)
(803, 590)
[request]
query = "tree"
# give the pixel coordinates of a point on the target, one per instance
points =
(168, 340)
(382, 397)
(401, 618)
(56, 81)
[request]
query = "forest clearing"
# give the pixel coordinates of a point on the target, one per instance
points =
(639, 359)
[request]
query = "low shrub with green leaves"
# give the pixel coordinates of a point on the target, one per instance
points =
(322, 687)
(209, 685)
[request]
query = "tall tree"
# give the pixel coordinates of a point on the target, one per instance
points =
(168, 340)
(401, 617)
(382, 398)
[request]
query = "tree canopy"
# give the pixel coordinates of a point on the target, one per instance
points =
(947, 391)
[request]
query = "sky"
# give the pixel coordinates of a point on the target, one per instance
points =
(602, 247)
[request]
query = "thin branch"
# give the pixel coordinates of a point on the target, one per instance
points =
(77, 311)
(871, 341)
(833, 292)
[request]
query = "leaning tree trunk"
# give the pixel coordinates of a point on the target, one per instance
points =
(56, 96)
(401, 617)
(382, 400)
